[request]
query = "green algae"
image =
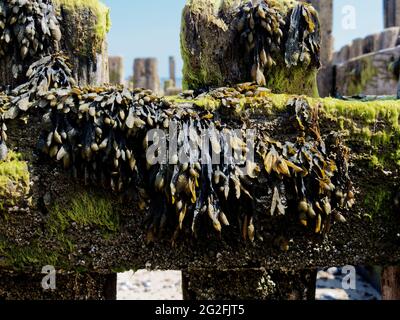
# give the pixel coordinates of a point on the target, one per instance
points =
(100, 11)
(97, 29)
(85, 209)
(360, 76)
(14, 180)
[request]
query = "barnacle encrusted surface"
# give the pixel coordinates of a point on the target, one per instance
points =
(273, 43)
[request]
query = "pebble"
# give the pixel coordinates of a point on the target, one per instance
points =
(149, 285)
(47, 199)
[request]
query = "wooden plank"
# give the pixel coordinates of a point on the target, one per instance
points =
(391, 283)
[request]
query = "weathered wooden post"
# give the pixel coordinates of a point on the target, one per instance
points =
(84, 26)
(213, 36)
(391, 283)
(139, 73)
(116, 66)
(168, 84)
(170, 87)
(69, 286)
(76, 28)
(153, 79)
(220, 46)
(248, 284)
(391, 13)
(145, 74)
(172, 71)
(325, 76)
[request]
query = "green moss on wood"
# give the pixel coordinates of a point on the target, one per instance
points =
(101, 25)
(100, 11)
(377, 202)
(293, 81)
(36, 254)
(84, 209)
(374, 124)
(359, 77)
(203, 71)
(14, 180)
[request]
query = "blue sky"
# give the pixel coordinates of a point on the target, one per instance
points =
(151, 28)
(148, 28)
(369, 19)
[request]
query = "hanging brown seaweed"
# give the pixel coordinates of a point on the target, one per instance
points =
(3, 133)
(100, 136)
(260, 27)
(317, 181)
(303, 41)
(29, 29)
(43, 75)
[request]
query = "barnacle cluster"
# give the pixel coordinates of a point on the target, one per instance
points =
(28, 30)
(267, 37)
(196, 170)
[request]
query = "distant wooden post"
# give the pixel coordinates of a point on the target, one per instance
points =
(391, 13)
(139, 73)
(153, 79)
(172, 75)
(168, 84)
(325, 77)
(145, 74)
(116, 66)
